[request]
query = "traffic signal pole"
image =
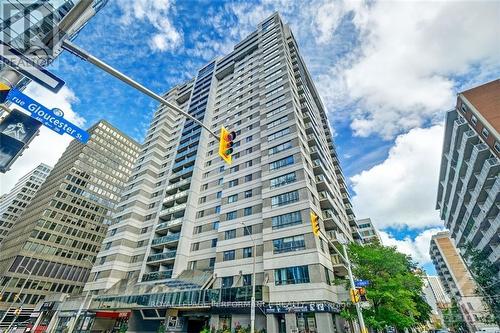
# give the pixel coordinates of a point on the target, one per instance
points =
(344, 256)
(84, 55)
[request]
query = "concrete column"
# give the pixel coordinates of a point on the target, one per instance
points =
(214, 321)
(324, 323)
(290, 322)
(271, 323)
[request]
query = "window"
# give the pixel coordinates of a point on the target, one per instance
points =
(219, 181)
(230, 234)
(233, 183)
(281, 163)
(284, 199)
(211, 263)
(291, 275)
(473, 120)
(144, 230)
(221, 169)
(247, 211)
(247, 279)
(195, 246)
(217, 209)
(107, 246)
(276, 111)
(197, 229)
(219, 194)
(215, 225)
(248, 178)
(247, 230)
(234, 169)
(280, 148)
(278, 134)
(464, 108)
(277, 122)
(248, 193)
(231, 215)
(283, 180)
(286, 220)
(202, 200)
(485, 133)
(228, 255)
(232, 198)
(227, 282)
(288, 244)
(214, 242)
(247, 252)
(248, 138)
(497, 146)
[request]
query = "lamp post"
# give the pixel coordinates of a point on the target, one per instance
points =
(73, 325)
(30, 272)
(252, 301)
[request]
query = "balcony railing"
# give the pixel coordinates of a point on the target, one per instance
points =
(162, 256)
(166, 239)
(168, 224)
(153, 276)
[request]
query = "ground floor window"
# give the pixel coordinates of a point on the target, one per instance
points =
(306, 323)
(225, 322)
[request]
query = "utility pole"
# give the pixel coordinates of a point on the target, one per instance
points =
(252, 300)
(341, 239)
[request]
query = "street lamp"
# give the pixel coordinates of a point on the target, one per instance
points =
(20, 291)
(252, 301)
(72, 326)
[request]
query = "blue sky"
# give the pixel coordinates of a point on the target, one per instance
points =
(385, 74)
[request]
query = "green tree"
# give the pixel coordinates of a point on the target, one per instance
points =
(395, 290)
(486, 276)
(453, 318)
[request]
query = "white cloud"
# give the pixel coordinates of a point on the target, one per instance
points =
(158, 14)
(410, 55)
(417, 248)
(48, 146)
(401, 191)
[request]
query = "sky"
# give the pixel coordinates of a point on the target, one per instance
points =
(387, 72)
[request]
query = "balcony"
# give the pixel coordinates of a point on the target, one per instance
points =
(183, 185)
(173, 210)
(176, 197)
(186, 161)
(162, 256)
(166, 239)
(169, 224)
(153, 276)
(339, 267)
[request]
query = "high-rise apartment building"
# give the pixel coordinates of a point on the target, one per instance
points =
(367, 231)
(458, 282)
(52, 246)
(190, 227)
(469, 185)
(437, 298)
(12, 204)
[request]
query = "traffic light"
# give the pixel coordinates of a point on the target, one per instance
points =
(315, 224)
(226, 144)
(354, 295)
(4, 91)
(362, 294)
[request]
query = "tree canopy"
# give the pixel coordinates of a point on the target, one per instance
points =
(395, 290)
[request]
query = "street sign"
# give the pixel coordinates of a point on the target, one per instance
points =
(27, 67)
(52, 119)
(16, 131)
(361, 283)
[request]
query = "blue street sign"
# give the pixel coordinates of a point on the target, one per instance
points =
(361, 283)
(53, 119)
(27, 67)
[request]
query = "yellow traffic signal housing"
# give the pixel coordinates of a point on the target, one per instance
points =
(4, 91)
(315, 224)
(17, 311)
(226, 142)
(354, 295)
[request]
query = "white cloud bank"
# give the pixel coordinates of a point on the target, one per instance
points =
(417, 248)
(401, 191)
(48, 146)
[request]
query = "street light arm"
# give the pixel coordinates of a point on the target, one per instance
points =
(84, 55)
